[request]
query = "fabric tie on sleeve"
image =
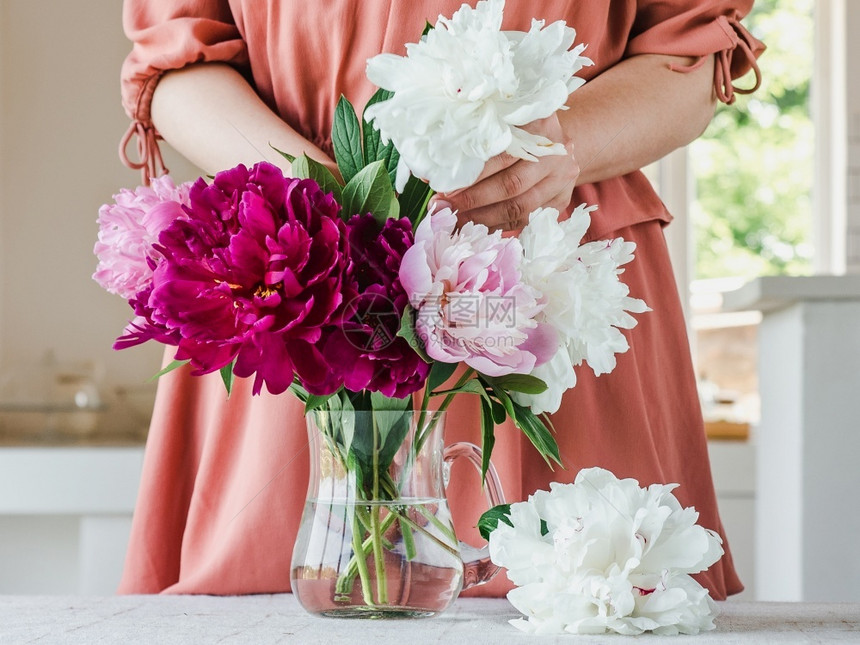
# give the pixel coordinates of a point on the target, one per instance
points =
(698, 30)
(169, 35)
(727, 67)
(150, 162)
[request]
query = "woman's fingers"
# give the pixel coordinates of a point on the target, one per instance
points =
(509, 189)
(496, 164)
(513, 214)
(504, 184)
(505, 199)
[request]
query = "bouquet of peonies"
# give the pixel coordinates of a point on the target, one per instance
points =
(355, 297)
(340, 290)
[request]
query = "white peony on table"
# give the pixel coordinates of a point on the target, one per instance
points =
(279, 619)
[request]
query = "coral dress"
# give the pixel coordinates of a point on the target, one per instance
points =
(224, 480)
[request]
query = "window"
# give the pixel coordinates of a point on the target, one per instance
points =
(743, 199)
(753, 167)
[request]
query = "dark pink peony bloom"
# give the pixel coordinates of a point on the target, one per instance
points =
(255, 273)
(144, 328)
(366, 347)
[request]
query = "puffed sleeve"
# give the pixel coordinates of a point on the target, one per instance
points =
(700, 28)
(166, 35)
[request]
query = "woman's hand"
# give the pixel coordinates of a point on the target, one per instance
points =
(509, 189)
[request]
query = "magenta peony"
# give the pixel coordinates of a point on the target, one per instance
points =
(127, 230)
(255, 274)
(471, 304)
(366, 348)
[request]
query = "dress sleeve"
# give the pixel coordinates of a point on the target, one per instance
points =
(166, 35)
(700, 28)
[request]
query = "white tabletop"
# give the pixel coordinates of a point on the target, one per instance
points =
(170, 620)
(769, 293)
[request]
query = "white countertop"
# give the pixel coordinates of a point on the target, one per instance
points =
(769, 293)
(279, 619)
(69, 480)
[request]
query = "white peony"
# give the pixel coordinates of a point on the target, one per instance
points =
(559, 376)
(461, 93)
(587, 303)
(603, 554)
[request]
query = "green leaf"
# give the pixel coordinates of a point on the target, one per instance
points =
(346, 139)
(537, 433)
(377, 437)
(173, 365)
(391, 418)
(285, 155)
(299, 391)
(328, 415)
(524, 383)
(413, 200)
(392, 427)
(499, 412)
(306, 168)
(544, 528)
(471, 386)
(314, 402)
(341, 420)
(439, 373)
(346, 427)
(370, 191)
(491, 518)
(357, 467)
(380, 402)
(300, 167)
(228, 377)
(500, 394)
(488, 437)
(362, 439)
(374, 149)
(407, 332)
(428, 27)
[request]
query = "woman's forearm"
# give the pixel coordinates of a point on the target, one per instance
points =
(627, 117)
(211, 115)
(637, 112)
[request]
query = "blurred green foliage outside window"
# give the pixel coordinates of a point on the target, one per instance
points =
(753, 166)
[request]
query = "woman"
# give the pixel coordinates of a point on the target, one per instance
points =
(224, 81)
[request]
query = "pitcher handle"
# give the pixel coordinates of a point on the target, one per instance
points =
(477, 566)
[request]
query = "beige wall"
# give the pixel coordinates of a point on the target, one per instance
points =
(60, 122)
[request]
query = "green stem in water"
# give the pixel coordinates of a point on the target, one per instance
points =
(375, 526)
(408, 540)
(378, 556)
(344, 583)
(361, 563)
(450, 549)
(447, 531)
(345, 580)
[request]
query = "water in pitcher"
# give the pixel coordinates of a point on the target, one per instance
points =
(409, 563)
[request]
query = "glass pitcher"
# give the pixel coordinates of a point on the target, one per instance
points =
(376, 538)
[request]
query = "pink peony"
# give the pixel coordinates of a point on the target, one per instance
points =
(471, 304)
(128, 229)
(255, 274)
